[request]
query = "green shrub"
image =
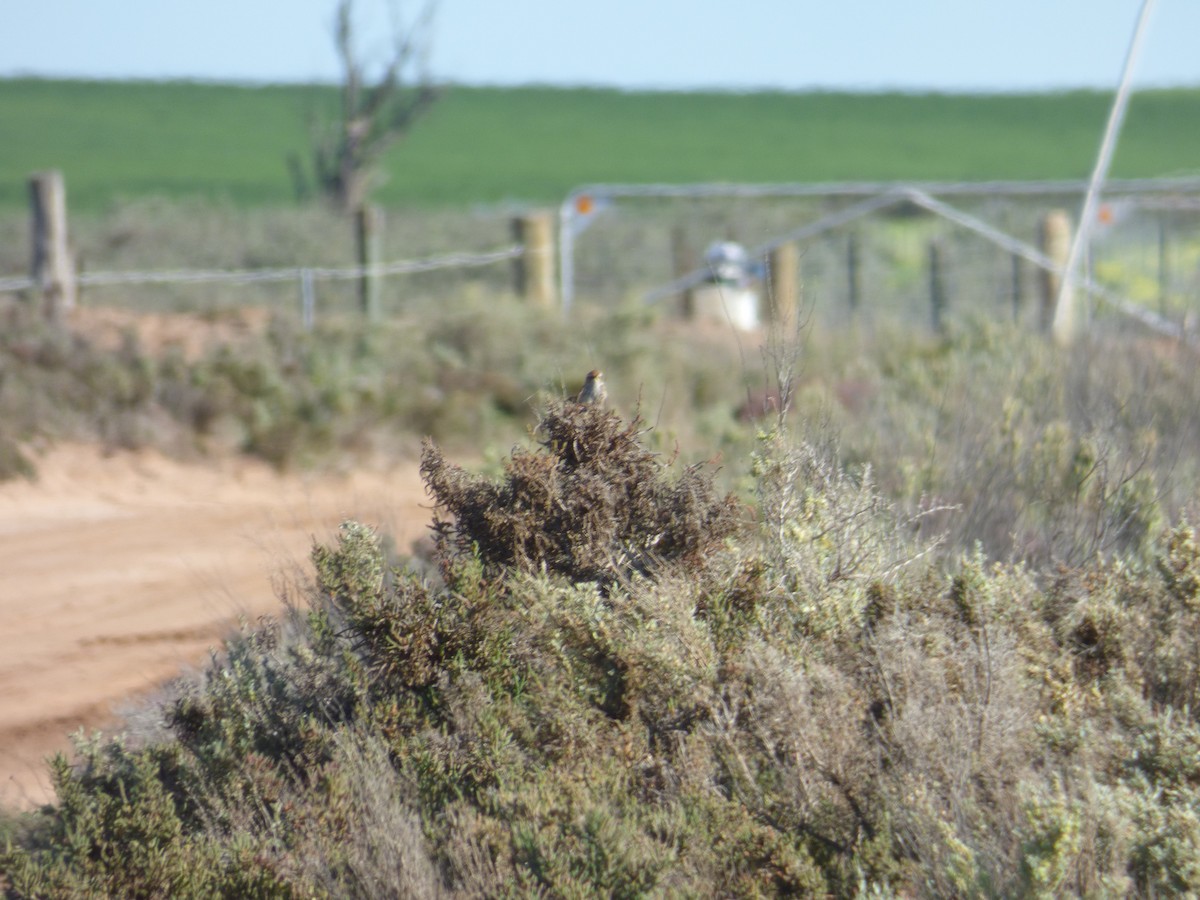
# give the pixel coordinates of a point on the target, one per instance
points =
(610, 683)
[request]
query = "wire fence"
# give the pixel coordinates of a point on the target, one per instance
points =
(869, 253)
(914, 254)
(292, 273)
(210, 258)
(306, 277)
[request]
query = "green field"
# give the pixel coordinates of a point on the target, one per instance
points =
(123, 140)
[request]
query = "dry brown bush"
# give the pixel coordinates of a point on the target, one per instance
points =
(590, 503)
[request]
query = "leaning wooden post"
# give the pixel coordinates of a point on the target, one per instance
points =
(368, 237)
(937, 285)
(53, 269)
(1054, 240)
(533, 270)
(783, 283)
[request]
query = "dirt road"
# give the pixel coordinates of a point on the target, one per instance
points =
(118, 571)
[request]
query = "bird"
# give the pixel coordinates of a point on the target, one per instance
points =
(594, 391)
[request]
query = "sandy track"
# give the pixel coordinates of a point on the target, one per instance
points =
(118, 571)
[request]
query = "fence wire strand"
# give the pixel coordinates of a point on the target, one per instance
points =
(257, 276)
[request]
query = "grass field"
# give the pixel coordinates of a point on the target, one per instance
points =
(124, 140)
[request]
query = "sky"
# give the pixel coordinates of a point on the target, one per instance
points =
(911, 45)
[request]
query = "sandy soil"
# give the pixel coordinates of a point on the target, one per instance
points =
(119, 571)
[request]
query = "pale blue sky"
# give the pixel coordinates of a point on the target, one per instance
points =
(950, 45)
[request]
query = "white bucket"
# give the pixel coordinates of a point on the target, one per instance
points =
(725, 303)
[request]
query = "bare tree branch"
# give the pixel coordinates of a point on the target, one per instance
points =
(375, 113)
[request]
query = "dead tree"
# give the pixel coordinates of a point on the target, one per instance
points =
(375, 112)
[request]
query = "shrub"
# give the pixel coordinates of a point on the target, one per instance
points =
(611, 686)
(590, 504)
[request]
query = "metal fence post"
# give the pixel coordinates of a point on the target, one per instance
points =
(308, 299)
(937, 285)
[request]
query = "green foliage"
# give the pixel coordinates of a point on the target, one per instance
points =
(1036, 454)
(226, 141)
(466, 374)
(1180, 567)
(611, 682)
(607, 684)
(57, 383)
(832, 538)
(116, 831)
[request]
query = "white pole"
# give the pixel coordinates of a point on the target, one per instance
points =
(1063, 324)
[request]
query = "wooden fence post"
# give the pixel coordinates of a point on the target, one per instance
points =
(534, 269)
(1054, 240)
(368, 237)
(53, 270)
(683, 261)
(783, 283)
(937, 285)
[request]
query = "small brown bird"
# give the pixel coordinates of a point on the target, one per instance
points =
(593, 389)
